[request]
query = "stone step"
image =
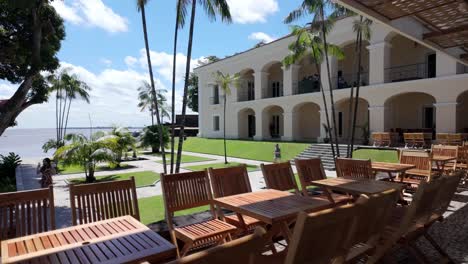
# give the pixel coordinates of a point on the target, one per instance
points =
(324, 152)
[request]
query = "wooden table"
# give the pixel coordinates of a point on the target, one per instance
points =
(357, 187)
(118, 240)
(440, 162)
(273, 207)
(392, 168)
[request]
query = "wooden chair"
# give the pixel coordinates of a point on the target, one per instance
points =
(310, 170)
(99, 201)
(242, 250)
(423, 171)
(420, 140)
(279, 176)
(409, 140)
(442, 138)
(232, 181)
(26, 213)
(377, 138)
(183, 191)
(455, 139)
(354, 168)
(446, 151)
(387, 139)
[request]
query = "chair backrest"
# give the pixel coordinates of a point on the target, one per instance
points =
(387, 138)
(100, 201)
(377, 138)
(420, 159)
(229, 181)
(409, 138)
(322, 236)
(442, 138)
(241, 250)
(184, 191)
(354, 168)
(309, 170)
(26, 212)
(445, 151)
(279, 176)
(446, 192)
(455, 139)
(419, 138)
(463, 154)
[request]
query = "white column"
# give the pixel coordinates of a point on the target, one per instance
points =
(261, 84)
(290, 76)
(288, 123)
(445, 65)
(333, 70)
(379, 60)
(259, 122)
(446, 113)
(376, 118)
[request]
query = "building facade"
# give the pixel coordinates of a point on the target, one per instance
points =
(404, 85)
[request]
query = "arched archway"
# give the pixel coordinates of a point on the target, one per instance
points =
(462, 112)
(308, 77)
(347, 72)
(246, 90)
(306, 122)
(344, 115)
(273, 122)
(410, 111)
(246, 123)
(274, 87)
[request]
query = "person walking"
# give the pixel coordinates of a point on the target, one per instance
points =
(47, 171)
(277, 154)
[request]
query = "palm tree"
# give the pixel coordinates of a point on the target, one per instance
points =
(321, 22)
(123, 142)
(363, 31)
(212, 8)
(309, 45)
(84, 152)
(146, 101)
(224, 81)
(141, 7)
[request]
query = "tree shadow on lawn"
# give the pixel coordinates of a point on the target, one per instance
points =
(63, 171)
(98, 179)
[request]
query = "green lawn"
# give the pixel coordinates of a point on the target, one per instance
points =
(72, 169)
(254, 150)
(152, 209)
(376, 155)
(220, 165)
(142, 178)
(185, 158)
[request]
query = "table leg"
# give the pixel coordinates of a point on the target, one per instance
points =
(286, 232)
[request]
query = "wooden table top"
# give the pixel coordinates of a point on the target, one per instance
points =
(391, 167)
(271, 206)
(443, 158)
(117, 240)
(357, 187)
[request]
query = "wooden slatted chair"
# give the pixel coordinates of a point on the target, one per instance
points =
(409, 140)
(387, 139)
(241, 250)
(442, 138)
(354, 168)
(232, 181)
(423, 171)
(455, 139)
(420, 140)
(26, 213)
(99, 201)
(377, 139)
(188, 190)
(279, 176)
(310, 170)
(446, 151)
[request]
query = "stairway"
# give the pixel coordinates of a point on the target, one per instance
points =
(324, 152)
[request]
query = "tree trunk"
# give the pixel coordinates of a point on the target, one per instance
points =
(153, 89)
(152, 117)
(174, 60)
(187, 72)
(224, 130)
(56, 115)
(325, 44)
(66, 119)
(350, 108)
(90, 178)
(358, 86)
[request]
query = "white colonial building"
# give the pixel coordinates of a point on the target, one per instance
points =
(405, 85)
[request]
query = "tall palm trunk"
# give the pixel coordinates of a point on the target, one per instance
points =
(174, 60)
(349, 149)
(56, 115)
(325, 105)
(153, 89)
(187, 72)
(358, 86)
(66, 119)
(62, 121)
(152, 117)
(224, 130)
(332, 100)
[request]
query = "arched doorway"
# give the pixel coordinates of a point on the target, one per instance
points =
(306, 122)
(344, 116)
(410, 111)
(347, 71)
(273, 122)
(462, 112)
(246, 123)
(308, 77)
(246, 90)
(274, 86)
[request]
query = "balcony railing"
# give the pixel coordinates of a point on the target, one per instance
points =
(407, 72)
(246, 91)
(273, 90)
(348, 80)
(214, 100)
(306, 85)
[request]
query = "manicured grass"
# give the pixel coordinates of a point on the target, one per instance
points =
(376, 155)
(185, 158)
(142, 178)
(73, 169)
(220, 165)
(254, 150)
(152, 209)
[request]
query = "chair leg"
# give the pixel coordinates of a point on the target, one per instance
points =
(186, 248)
(174, 241)
(437, 247)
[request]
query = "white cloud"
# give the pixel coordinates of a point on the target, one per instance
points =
(130, 61)
(106, 62)
(248, 11)
(261, 36)
(92, 13)
(7, 89)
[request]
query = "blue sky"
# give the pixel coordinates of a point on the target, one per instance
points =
(104, 47)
